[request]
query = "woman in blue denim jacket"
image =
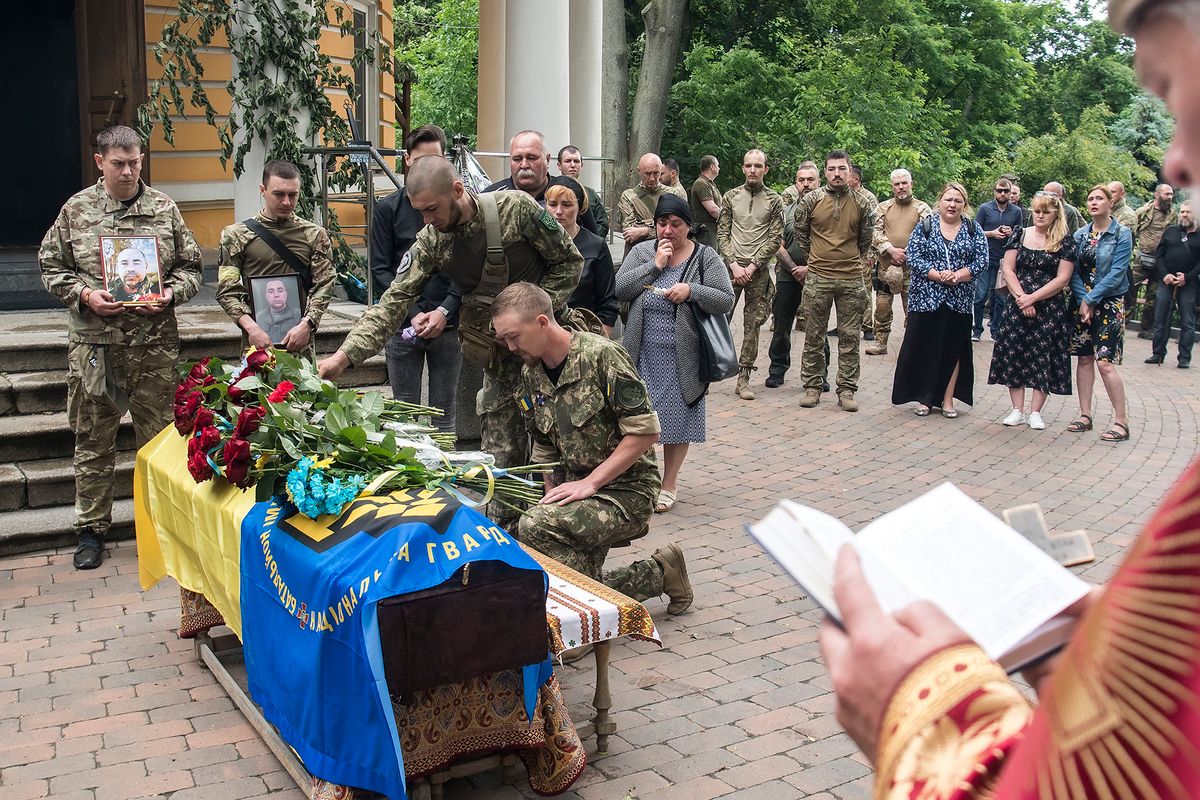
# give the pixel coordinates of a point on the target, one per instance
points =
(1098, 286)
(945, 253)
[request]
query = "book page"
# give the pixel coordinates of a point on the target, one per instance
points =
(991, 581)
(805, 542)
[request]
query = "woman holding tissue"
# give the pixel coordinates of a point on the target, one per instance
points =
(655, 278)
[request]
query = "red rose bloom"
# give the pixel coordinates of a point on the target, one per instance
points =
(185, 386)
(236, 394)
(281, 391)
(199, 369)
(204, 419)
(197, 463)
(248, 421)
(257, 359)
(237, 463)
(185, 413)
(207, 438)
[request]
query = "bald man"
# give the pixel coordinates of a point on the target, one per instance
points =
(1074, 218)
(635, 209)
(1121, 211)
(1151, 221)
(749, 234)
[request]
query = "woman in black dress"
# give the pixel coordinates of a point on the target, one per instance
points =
(566, 201)
(1033, 343)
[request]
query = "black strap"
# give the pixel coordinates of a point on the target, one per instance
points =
(281, 250)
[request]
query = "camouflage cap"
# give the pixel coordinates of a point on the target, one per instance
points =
(1126, 15)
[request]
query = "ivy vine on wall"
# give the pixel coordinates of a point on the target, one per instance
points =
(280, 77)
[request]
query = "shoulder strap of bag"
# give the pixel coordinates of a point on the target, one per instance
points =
(639, 205)
(494, 276)
(291, 259)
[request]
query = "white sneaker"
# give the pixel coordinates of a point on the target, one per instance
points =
(1014, 418)
(1035, 421)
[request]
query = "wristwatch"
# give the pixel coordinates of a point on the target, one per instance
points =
(312, 326)
(445, 312)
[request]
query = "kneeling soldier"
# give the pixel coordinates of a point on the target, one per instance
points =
(587, 408)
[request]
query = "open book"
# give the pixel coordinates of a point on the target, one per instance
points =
(945, 548)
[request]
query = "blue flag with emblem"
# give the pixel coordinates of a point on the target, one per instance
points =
(310, 634)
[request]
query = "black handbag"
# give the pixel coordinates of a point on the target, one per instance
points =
(718, 357)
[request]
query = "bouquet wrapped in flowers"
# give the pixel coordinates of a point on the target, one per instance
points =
(272, 423)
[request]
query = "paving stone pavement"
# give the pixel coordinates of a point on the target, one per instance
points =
(100, 701)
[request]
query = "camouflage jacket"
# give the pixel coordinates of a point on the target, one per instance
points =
(598, 400)
(537, 248)
(244, 255)
(629, 215)
(70, 261)
(790, 195)
(750, 227)
(1150, 226)
(882, 238)
(865, 223)
(1125, 215)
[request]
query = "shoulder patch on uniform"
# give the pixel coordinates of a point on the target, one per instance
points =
(550, 222)
(628, 393)
(405, 263)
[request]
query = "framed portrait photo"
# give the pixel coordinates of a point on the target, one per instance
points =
(276, 303)
(132, 273)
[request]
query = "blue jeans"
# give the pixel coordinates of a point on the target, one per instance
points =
(986, 299)
(1164, 304)
(406, 363)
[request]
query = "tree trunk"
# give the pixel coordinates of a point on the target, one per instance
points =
(664, 20)
(614, 98)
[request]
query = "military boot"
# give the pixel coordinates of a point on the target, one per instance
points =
(675, 578)
(743, 385)
(90, 552)
(879, 346)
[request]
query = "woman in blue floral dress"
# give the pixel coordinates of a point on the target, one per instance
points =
(945, 252)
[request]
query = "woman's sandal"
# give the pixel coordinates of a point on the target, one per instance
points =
(666, 501)
(921, 411)
(1079, 426)
(1113, 435)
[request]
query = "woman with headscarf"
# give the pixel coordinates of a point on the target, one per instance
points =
(566, 200)
(657, 278)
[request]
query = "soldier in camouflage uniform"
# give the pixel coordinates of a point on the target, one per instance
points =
(245, 255)
(1149, 223)
(118, 358)
(896, 219)
(454, 242)
(749, 234)
(635, 208)
(588, 410)
(835, 227)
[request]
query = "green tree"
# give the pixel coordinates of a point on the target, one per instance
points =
(1078, 157)
(439, 42)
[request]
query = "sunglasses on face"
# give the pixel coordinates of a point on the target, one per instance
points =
(999, 190)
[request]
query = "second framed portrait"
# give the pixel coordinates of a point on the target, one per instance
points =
(277, 303)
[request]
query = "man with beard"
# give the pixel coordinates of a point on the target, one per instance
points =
(1177, 273)
(482, 242)
(749, 234)
(604, 488)
(897, 218)
(1152, 219)
(789, 280)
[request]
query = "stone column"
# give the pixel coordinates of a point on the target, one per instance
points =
(490, 127)
(586, 77)
(537, 70)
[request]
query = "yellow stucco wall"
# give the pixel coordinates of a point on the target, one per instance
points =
(191, 166)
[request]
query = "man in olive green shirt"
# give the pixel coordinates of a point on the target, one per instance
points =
(749, 234)
(246, 255)
(835, 227)
(706, 202)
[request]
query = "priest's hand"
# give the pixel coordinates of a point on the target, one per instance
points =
(876, 650)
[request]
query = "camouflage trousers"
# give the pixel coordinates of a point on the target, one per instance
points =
(580, 533)
(503, 432)
(850, 299)
(759, 292)
(146, 374)
(884, 301)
